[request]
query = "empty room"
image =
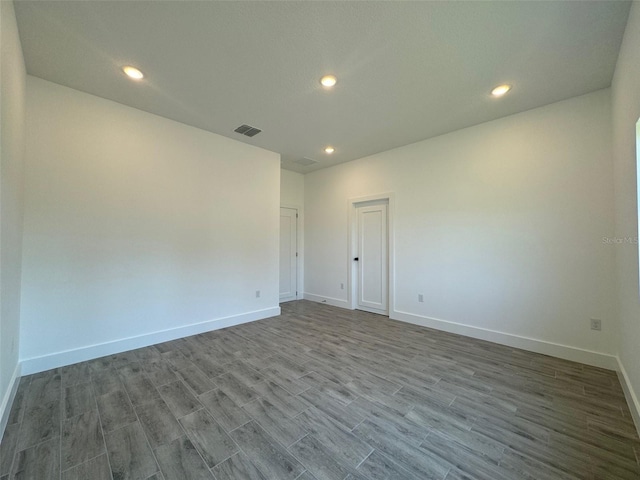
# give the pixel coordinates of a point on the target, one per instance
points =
(319, 240)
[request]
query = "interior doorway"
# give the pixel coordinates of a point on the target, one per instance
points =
(370, 256)
(288, 254)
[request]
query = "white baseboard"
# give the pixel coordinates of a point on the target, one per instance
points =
(336, 302)
(629, 394)
(7, 400)
(558, 350)
(69, 357)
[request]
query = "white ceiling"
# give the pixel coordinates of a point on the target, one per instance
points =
(406, 71)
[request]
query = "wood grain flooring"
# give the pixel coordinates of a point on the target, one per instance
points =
(321, 393)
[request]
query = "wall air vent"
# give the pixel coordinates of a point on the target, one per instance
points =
(248, 130)
(305, 162)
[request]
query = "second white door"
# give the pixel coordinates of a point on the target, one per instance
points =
(372, 258)
(288, 254)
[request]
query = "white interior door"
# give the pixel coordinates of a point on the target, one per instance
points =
(373, 260)
(288, 254)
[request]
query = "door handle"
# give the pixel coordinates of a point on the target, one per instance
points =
(355, 259)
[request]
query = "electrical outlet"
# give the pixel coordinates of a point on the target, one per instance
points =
(257, 293)
(596, 324)
(421, 298)
(342, 286)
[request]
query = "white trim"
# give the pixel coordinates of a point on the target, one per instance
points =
(69, 357)
(567, 352)
(629, 394)
(7, 401)
(336, 302)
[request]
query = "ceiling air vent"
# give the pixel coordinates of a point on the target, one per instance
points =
(305, 162)
(248, 130)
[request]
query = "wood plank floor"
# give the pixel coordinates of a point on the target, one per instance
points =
(321, 393)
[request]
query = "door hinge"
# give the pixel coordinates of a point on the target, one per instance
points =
(296, 215)
(296, 254)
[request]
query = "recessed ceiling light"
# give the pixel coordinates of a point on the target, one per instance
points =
(329, 150)
(328, 81)
(500, 90)
(133, 72)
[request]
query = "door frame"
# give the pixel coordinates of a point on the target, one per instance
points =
(300, 249)
(352, 203)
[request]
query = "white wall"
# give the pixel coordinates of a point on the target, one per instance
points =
(500, 226)
(626, 111)
(12, 93)
(291, 188)
(292, 195)
(134, 225)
